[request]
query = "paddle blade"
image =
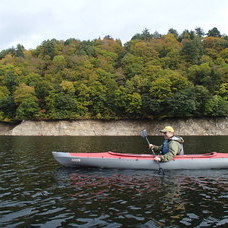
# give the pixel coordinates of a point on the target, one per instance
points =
(143, 133)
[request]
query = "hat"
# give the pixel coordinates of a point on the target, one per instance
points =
(166, 129)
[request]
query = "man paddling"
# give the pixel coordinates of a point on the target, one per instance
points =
(171, 146)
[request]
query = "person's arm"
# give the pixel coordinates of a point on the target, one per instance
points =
(173, 150)
(155, 148)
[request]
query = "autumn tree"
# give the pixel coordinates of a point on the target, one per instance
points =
(151, 76)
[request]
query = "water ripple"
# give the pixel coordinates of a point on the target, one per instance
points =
(35, 192)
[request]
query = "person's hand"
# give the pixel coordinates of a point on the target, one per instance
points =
(157, 159)
(151, 146)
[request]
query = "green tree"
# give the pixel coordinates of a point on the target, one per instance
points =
(145, 35)
(217, 106)
(86, 48)
(202, 95)
(192, 51)
(28, 109)
(61, 105)
(214, 32)
(132, 65)
(199, 32)
(23, 92)
(168, 84)
(182, 104)
(20, 51)
(49, 49)
(174, 32)
(134, 105)
(7, 106)
(205, 75)
(59, 62)
(10, 77)
(223, 91)
(151, 107)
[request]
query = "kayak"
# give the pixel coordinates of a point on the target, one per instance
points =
(114, 160)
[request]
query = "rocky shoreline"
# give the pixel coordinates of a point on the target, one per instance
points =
(191, 127)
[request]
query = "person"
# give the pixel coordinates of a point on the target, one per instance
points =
(171, 146)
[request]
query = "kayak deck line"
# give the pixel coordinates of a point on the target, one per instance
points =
(115, 155)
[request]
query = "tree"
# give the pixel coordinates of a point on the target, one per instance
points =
(5, 52)
(185, 35)
(138, 83)
(49, 48)
(166, 44)
(199, 32)
(156, 35)
(151, 76)
(215, 44)
(214, 32)
(132, 65)
(182, 104)
(174, 32)
(143, 49)
(23, 92)
(161, 89)
(19, 52)
(192, 51)
(59, 62)
(166, 85)
(98, 100)
(28, 109)
(134, 105)
(145, 35)
(6, 107)
(61, 105)
(205, 75)
(217, 106)
(151, 107)
(10, 76)
(223, 91)
(202, 95)
(86, 48)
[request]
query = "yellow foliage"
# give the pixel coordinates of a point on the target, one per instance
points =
(68, 86)
(22, 92)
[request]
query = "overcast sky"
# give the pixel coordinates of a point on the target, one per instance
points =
(30, 22)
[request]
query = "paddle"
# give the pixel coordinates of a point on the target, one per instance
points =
(143, 133)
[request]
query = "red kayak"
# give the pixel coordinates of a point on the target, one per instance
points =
(141, 161)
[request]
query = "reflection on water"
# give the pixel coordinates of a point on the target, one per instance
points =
(35, 191)
(142, 197)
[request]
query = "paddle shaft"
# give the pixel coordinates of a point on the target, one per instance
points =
(160, 170)
(149, 144)
(143, 133)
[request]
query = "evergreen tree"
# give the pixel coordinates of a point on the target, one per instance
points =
(214, 32)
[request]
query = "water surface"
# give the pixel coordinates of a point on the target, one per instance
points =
(35, 191)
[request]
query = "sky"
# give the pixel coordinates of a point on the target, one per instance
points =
(30, 22)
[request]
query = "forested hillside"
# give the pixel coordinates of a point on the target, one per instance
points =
(151, 76)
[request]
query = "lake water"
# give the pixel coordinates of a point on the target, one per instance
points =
(35, 191)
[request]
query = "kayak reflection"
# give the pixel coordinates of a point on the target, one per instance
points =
(139, 195)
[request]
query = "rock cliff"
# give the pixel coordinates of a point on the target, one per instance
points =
(208, 126)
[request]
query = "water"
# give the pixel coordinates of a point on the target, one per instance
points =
(35, 191)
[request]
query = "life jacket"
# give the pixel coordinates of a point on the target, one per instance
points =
(165, 145)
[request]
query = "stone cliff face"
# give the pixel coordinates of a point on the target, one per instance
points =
(210, 126)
